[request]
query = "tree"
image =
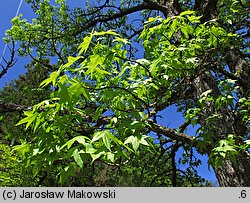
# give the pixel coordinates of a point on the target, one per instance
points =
(106, 99)
(16, 97)
(19, 95)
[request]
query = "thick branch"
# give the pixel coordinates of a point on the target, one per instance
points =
(169, 132)
(121, 14)
(172, 134)
(208, 9)
(240, 68)
(10, 107)
(169, 9)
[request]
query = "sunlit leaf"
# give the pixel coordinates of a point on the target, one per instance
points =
(83, 47)
(77, 158)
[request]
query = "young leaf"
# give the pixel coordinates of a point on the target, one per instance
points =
(52, 79)
(31, 117)
(85, 44)
(106, 140)
(97, 136)
(71, 60)
(187, 13)
(96, 156)
(78, 158)
(134, 141)
(79, 139)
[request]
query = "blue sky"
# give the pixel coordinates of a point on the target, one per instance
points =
(8, 10)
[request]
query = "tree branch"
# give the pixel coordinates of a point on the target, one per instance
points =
(169, 9)
(208, 9)
(171, 133)
(168, 132)
(174, 169)
(120, 14)
(10, 107)
(9, 63)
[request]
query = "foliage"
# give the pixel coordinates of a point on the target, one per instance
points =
(102, 77)
(106, 98)
(22, 93)
(10, 169)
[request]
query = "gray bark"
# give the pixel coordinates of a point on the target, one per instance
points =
(234, 174)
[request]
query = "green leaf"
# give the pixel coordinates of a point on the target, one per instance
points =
(79, 139)
(134, 141)
(187, 13)
(77, 88)
(114, 120)
(35, 171)
(63, 177)
(78, 158)
(52, 79)
(89, 148)
(35, 151)
(247, 142)
(66, 172)
(22, 149)
(97, 136)
(109, 32)
(194, 19)
(30, 118)
(123, 71)
(85, 44)
(96, 156)
(106, 140)
(153, 19)
(110, 156)
(124, 41)
(143, 141)
(37, 123)
(185, 31)
(192, 60)
(206, 93)
(224, 147)
(95, 61)
(71, 60)
(105, 135)
(143, 115)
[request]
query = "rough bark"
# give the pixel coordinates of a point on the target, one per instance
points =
(229, 174)
(234, 174)
(239, 68)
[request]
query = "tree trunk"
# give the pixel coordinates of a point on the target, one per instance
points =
(234, 174)
(229, 174)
